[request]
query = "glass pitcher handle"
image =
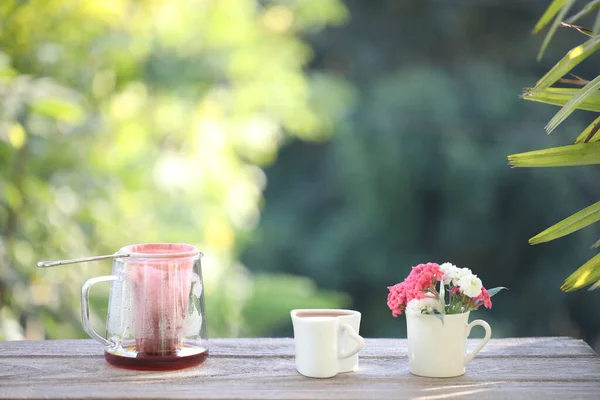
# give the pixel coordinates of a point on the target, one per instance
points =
(85, 307)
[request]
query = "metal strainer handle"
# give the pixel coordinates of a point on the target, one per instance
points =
(48, 264)
(119, 254)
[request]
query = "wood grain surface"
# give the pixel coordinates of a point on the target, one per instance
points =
(524, 368)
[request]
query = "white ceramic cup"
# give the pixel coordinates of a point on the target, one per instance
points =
(437, 349)
(326, 341)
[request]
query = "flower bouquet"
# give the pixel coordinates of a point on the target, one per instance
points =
(437, 300)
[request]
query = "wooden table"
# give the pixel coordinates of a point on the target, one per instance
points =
(527, 368)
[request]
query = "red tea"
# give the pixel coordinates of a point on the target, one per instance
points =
(313, 314)
(187, 357)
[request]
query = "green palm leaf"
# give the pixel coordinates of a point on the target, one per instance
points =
(567, 63)
(596, 27)
(595, 285)
(561, 96)
(568, 109)
(591, 6)
(565, 156)
(591, 133)
(586, 148)
(575, 222)
(550, 12)
(562, 7)
(587, 274)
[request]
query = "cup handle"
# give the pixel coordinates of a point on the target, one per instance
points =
(85, 307)
(488, 334)
(360, 342)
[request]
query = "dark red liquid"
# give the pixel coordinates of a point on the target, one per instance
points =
(313, 314)
(156, 363)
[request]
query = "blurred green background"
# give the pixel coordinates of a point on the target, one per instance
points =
(314, 150)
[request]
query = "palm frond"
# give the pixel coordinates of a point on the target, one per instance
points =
(587, 274)
(550, 12)
(590, 134)
(567, 63)
(564, 156)
(587, 9)
(596, 27)
(568, 109)
(561, 96)
(560, 15)
(586, 148)
(575, 222)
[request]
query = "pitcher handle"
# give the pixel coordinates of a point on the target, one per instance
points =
(85, 307)
(360, 342)
(488, 334)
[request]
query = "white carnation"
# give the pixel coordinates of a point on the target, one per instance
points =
(462, 272)
(470, 285)
(427, 305)
(449, 271)
(452, 274)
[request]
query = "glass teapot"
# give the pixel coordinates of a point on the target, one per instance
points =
(156, 316)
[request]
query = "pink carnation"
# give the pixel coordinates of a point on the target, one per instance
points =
(484, 298)
(419, 283)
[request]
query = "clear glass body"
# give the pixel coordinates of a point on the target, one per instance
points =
(156, 316)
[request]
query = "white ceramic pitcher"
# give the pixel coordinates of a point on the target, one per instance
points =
(437, 349)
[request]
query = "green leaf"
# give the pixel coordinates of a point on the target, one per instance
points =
(595, 286)
(58, 109)
(575, 222)
(573, 104)
(567, 63)
(565, 156)
(550, 12)
(587, 274)
(591, 6)
(560, 97)
(590, 134)
(494, 291)
(596, 27)
(564, 9)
